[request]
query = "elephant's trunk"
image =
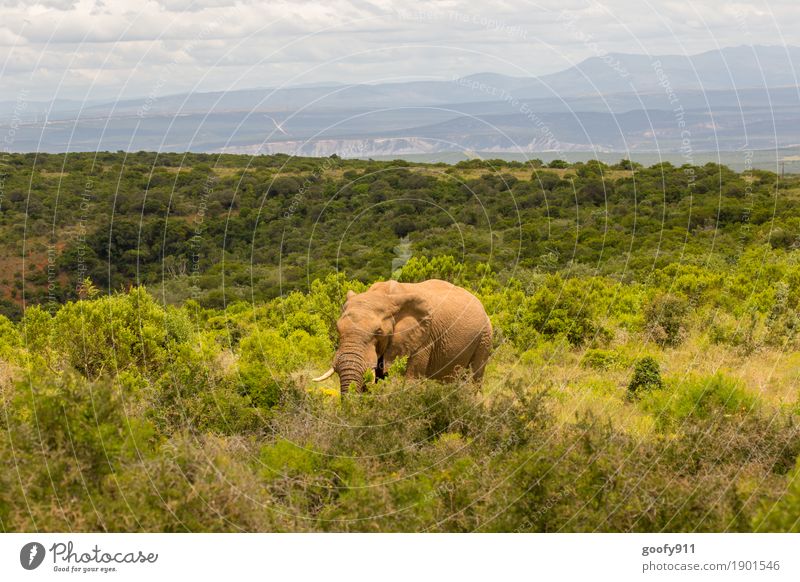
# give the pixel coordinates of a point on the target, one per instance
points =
(351, 379)
(351, 367)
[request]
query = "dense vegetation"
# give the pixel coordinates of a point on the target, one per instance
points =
(644, 376)
(192, 225)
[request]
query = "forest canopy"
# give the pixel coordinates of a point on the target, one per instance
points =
(191, 225)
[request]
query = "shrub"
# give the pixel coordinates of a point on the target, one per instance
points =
(35, 331)
(398, 367)
(10, 341)
(441, 267)
(66, 436)
(709, 397)
(315, 480)
(197, 395)
(665, 318)
(267, 359)
(192, 419)
(646, 376)
(192, 484)
(557, 308)
(603, 359)
(781, 514)
(109, 334)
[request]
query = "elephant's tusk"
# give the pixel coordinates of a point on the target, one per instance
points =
(325, 376)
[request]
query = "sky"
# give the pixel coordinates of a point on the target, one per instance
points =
(101, 50)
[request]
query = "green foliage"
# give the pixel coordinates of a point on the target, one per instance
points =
(482, 211)
(109, 334)
(646, 376)
(36, 329)
(187, 487)
(199, 392)
(703, 398)
(599, 359)
(665, 317)
(267, 358)
(205, 445)
(421, 269)
(10, 340)
(398, 367)
(369, 377)
(70, 437)
(782, 514)
(87, 289)
(556, 308)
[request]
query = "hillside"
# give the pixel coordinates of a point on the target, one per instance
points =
(189, 225)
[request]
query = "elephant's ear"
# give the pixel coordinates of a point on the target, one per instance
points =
(412, 320)
(350, 295)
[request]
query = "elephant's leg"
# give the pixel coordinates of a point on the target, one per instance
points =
(417, 366)
(481, 355)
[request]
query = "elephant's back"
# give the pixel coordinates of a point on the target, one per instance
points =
(454, 306)
(444, 289)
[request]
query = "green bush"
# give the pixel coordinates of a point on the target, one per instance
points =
(666, 319)
(10, 341)
(196, 395)
(705, 397)
(603, 359)
(781, 514)
(193, 484)
(556, 308)
(67, 437)
(646, 376)
(109, 334)
(267, 358)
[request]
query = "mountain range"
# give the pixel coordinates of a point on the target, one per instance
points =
(745, 97)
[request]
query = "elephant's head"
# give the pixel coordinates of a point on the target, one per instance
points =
(385, 316)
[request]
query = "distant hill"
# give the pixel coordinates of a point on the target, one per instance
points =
(732, 98)
(728, 69)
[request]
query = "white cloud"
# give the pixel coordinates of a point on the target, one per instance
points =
(55, 4)
(194, 5)
(256, 43)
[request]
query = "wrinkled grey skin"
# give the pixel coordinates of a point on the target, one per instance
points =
(441, 328)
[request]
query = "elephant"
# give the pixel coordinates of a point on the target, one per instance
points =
(440, 327)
